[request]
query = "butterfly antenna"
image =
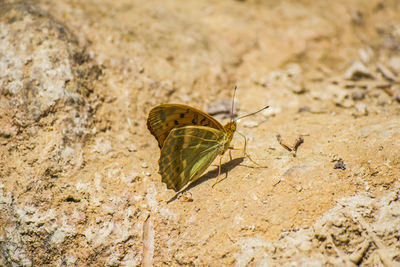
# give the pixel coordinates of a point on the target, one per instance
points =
(233, 102)
(252, 113)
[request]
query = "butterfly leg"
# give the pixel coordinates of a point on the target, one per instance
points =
(245, 142)
(219, 172)
(244, 151)
(248, 156)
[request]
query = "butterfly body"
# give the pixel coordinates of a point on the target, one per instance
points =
(189, 139)
(230, 129)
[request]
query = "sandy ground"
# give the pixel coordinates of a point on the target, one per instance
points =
(79, 182)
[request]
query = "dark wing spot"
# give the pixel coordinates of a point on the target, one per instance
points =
(176, 122)
(195, 119)
(182, 115)
(202, 121)
(187, 110)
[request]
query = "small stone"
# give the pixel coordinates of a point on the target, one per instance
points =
(362, 108)
(132, 178)
(250, 124)
(304, 109)
(341, 98)
(253, 196)
(271, 112)
(387, 74)
(358, 94)
(294, 70)
(298, 89)
(144, 165)
(298, 188)
(340, 165)
(358, 71)
(131, 148)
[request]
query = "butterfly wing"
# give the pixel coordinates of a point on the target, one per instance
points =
(187, 153)
(163, 118)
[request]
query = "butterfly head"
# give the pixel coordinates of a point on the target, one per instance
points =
(230, 128)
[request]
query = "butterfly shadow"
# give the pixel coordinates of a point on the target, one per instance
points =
(225, 168)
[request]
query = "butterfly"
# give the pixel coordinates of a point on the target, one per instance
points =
(189, 139)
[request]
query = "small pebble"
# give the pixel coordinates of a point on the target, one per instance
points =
(358, 95)
(131, 148)
(340, 165)
(386, 73)
(298, 188)
(358, 71)
(270, 112)
(250, 124)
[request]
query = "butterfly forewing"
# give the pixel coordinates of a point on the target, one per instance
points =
(187, 153)
(163, 118)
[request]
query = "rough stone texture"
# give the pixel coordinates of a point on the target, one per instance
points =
(46, 114)
(358, 230)
(78, 168)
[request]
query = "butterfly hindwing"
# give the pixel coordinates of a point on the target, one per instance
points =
(187, 153)
(163, 118)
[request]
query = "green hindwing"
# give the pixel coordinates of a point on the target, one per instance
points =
(187, 152)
